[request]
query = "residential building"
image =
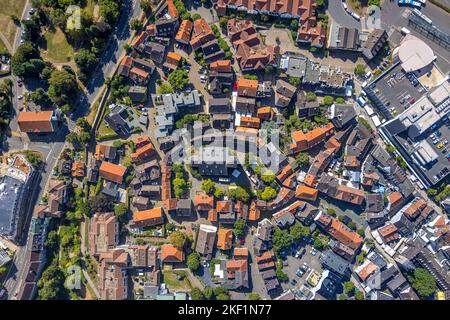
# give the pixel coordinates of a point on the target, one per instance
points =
(304, 141)
(112, 275)
(148, 218)
(184, 32)
(104, 152)
(224, 239)
(112, 172)
(374, 43)
(330, 187)
(103, 233)
(284, 92)
(38, 121)
(338, 231)
(171, 254)
(205, 240)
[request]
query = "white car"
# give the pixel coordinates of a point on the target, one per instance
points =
(20, 97)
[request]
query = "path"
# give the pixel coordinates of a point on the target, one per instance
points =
(6, 43)
(192, 278)
(91, 284)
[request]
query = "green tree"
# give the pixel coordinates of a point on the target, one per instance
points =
(281, 276)
(208, 186)
(359, 295)
(299, 232)
(294, 24)
(268, 177)
(340, 100)
(193, 261)
(342, 296)
(178, 79)
(165, 88)
(423, 282)
(281, 239)
(86, 61)
(328, 100)
(349, 287)
(238, 193)
(51, 284)
(221, 293)
(218, 193)
(197, 294)
(302, 159)
(136, 24)
(360, 70)
(321, 242)
(254, 296)
(146, 6)
(432, 192)
(40, 97)
(311, 96)
(178, 239)
(239, 227)
(63, 87)
(209, 292)
(20, 61)
(223, 21)
(295, 81)
(268, 194)
(110, 10)
(121, 212)
(196, 16)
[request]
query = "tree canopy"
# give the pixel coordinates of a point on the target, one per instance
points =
(423, 282)
(63, 87)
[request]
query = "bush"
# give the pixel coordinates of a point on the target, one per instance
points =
(193, 261)
(360, 70)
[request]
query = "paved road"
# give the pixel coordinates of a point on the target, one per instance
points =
(340, 16)
(110, 58)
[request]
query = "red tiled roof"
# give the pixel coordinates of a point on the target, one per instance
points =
(170, 253)
(112, 172)
(224, 239)
(306, 193)
(35, 121)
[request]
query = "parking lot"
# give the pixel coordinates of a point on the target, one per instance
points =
(398, 90)
(293, 264)
(439, 140)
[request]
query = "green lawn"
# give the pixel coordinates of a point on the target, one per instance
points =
(8, 8)
(170, 279)
(2, 45)
(56, 48)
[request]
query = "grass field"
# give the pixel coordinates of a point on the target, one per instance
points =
(170, 279)
(56, 48)
(8, 8)
(2, 46)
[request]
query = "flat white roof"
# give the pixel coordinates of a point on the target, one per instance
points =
(414, 54)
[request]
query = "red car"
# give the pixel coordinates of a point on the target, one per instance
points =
(242, 241)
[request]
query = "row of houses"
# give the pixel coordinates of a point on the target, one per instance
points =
(309, 31)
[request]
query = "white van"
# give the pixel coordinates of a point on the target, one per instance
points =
(405, 31)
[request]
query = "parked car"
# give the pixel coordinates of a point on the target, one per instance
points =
(293, 282)
(313, 251)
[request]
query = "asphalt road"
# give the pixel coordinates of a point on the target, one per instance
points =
(110, 57)
(340, 16)
(51, 146)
